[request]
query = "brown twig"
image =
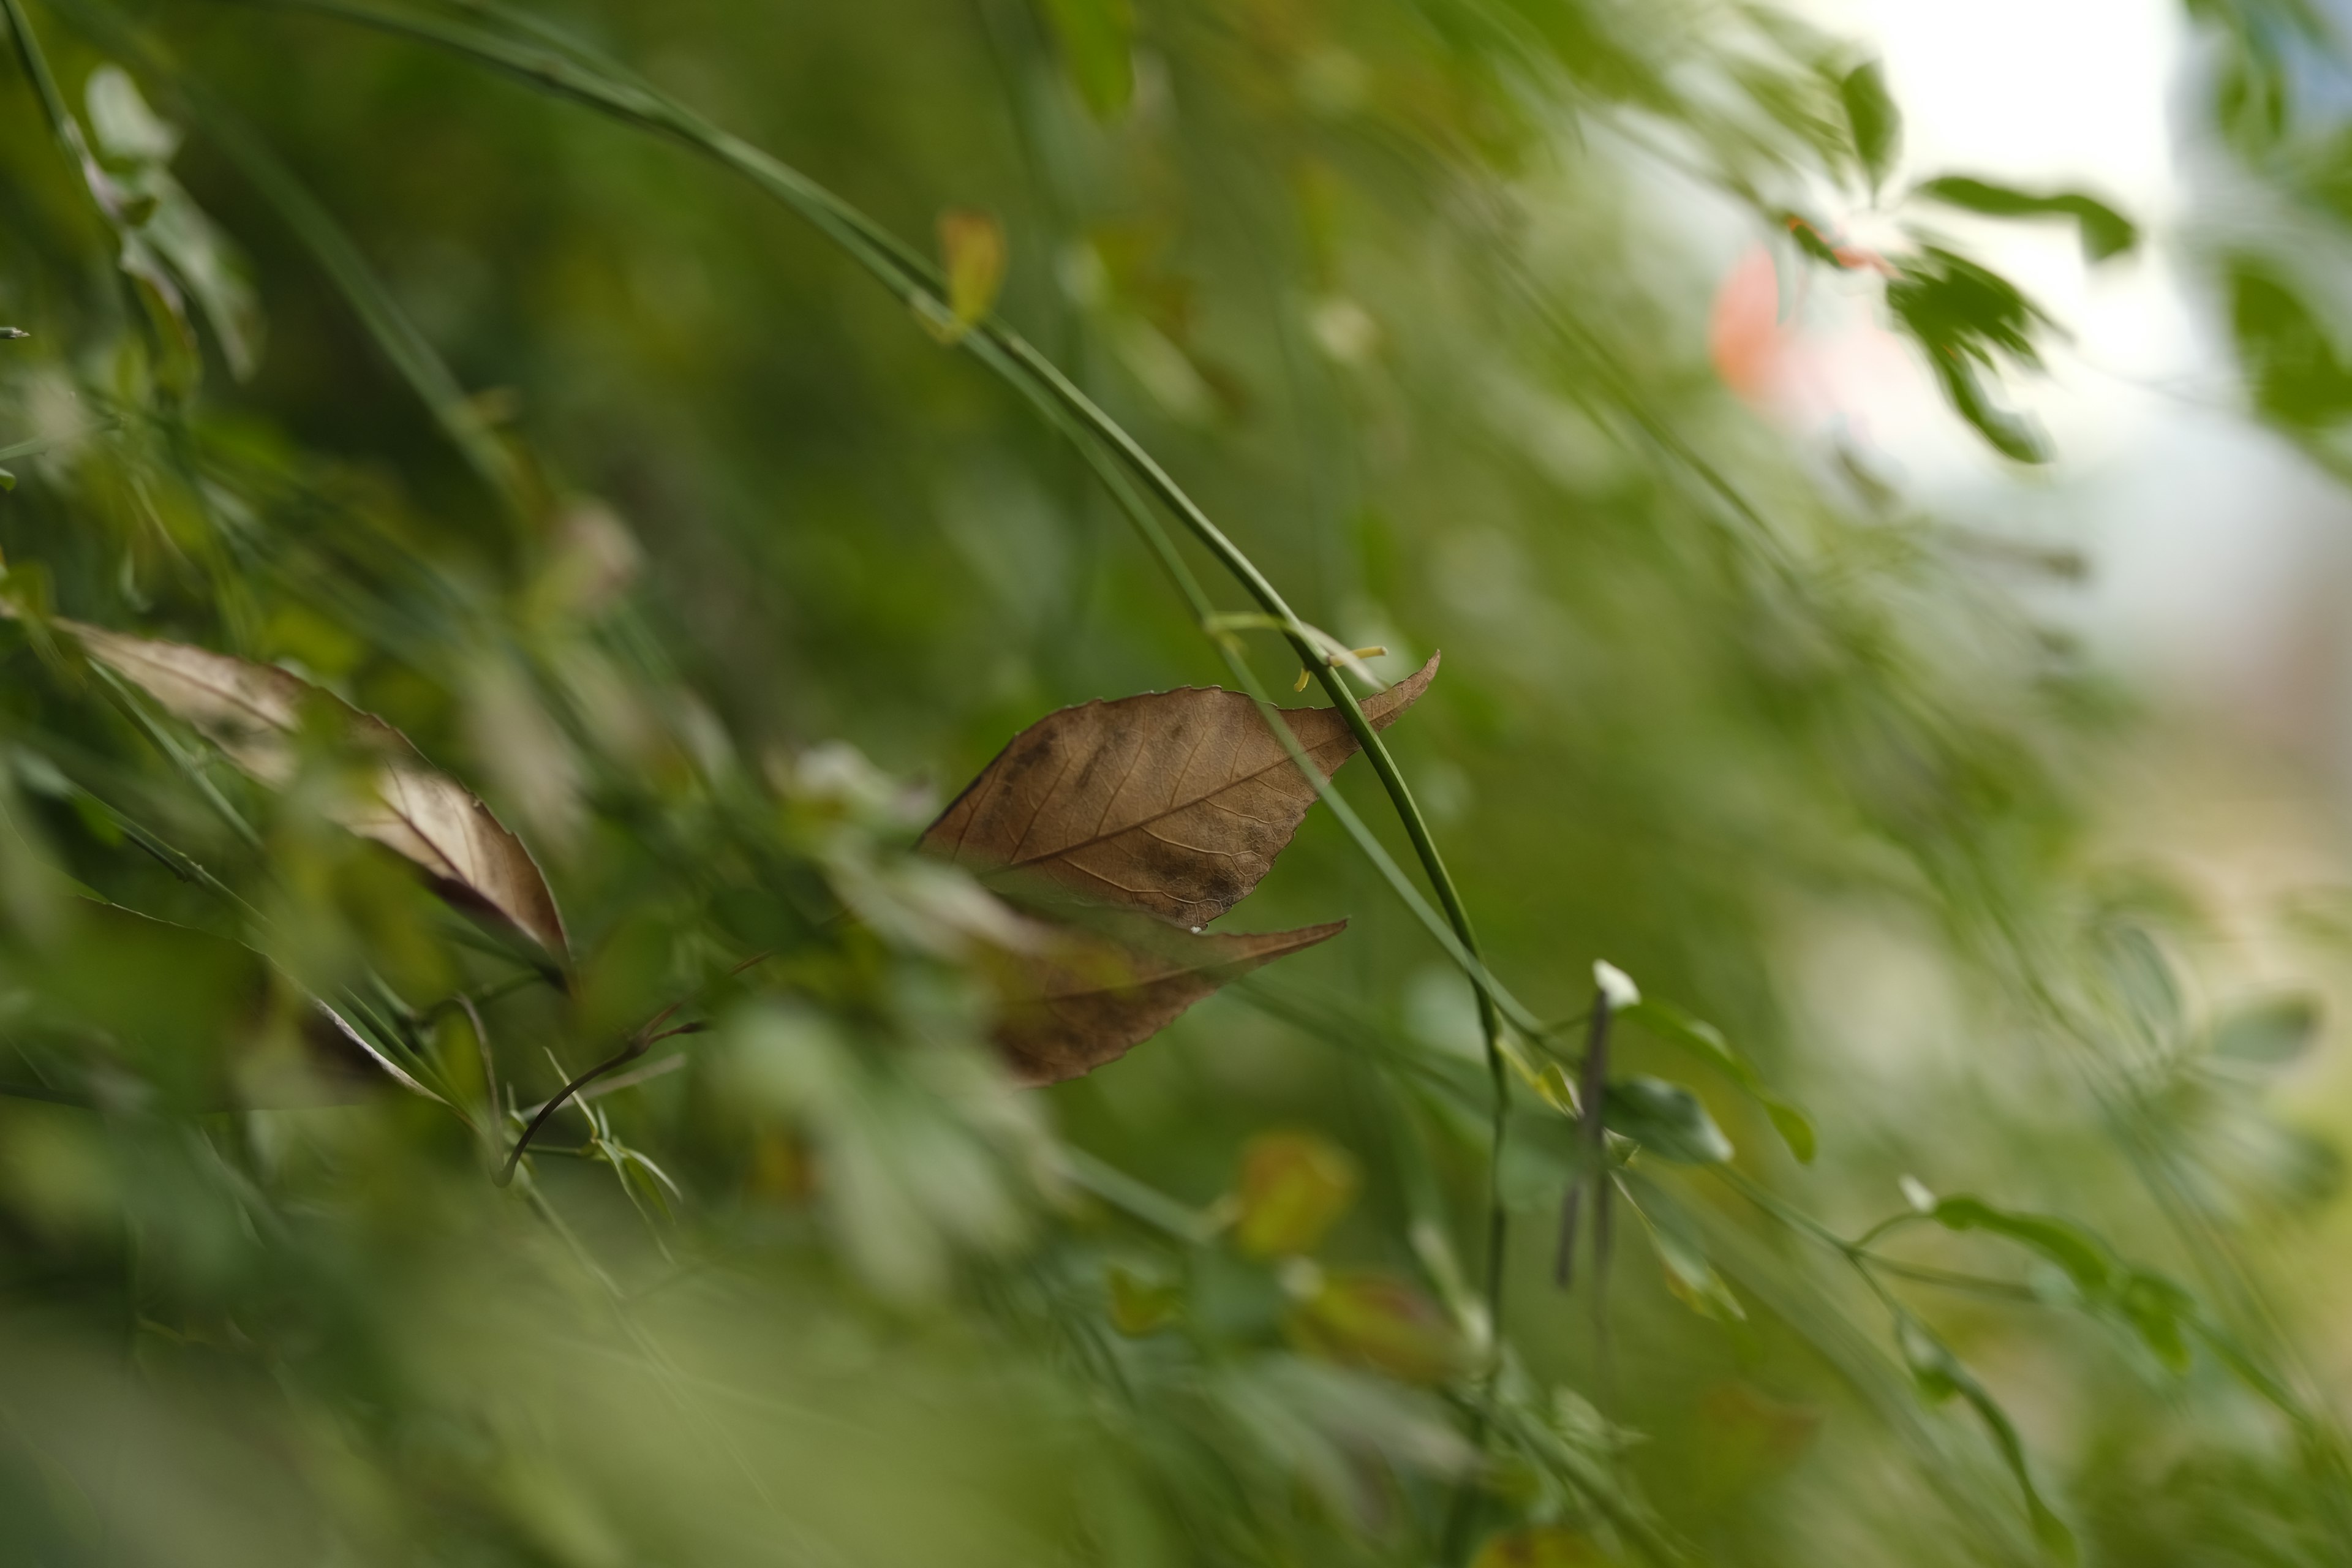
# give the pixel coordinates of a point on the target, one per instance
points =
(649, 1033)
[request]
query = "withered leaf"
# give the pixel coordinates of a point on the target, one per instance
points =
(251, 712)
(1175, 803)
(1087, 997)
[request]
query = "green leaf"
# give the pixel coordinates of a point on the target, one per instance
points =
(1674, 1026)
(2084, 1260)
(2295, 373)
(2161, 1313)
(1667, 1120)
(1795, 1128)
(973, 254)
(1293, 1186)
(1097, 42)
(1963, 315)
(125, 127)
(2104, 232)
(1940, 1376)
(1141, 1305)
(2269, 1033)
(171, 251)
(1871, 114)
(1363, 1318)
(1809, 240)
(2017, 436)
(1689, 1275)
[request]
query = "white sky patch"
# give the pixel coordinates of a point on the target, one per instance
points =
(2214, 547)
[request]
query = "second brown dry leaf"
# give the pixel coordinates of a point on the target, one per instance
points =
(1174, 803)
(252, 711)
(1156, 812)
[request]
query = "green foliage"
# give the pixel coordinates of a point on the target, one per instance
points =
(1965, 316)
(1941, 1376)
(2106, 232)
(1705, 1041)
(582, 451)
(1667, 1120)
(2298, 376)
(1870, 116)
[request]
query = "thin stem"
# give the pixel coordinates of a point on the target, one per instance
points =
(627, 1054)
(179, 864)
(912, 277)
(644, 1040)
(914, 281)
(118, 693)
(490, 1067)
(411, 353)
(1139, 1201)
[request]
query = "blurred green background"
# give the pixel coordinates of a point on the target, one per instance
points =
(361, 347)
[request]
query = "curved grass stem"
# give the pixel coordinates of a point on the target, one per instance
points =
(553, 65)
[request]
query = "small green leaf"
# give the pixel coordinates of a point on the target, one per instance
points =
(1293, 1186)
(1667, 1120)
(2104, 232)
(973, 250)
(8, 480)
(2083, 1259)
(1809, 240)
(2161, 1313)
(1671, 1025)
(1940, 1376)
(1140, 1306)
(1365, 1319)
(1795, 1128)
(2269, 1033)
(1689, 1276)
(1963, 315)
(1871, 114)
(2297, 375)
(2017, 436)
(125, 127)
(1097, 42)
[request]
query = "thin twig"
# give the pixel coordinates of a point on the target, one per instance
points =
(644, 1040)
(636, 1047)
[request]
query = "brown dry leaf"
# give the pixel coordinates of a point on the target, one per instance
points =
(251, 711)
(1088, 998)
(1174, 801)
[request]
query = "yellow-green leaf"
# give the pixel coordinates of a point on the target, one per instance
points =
(1540, 1546)
(1294, 1187)
(1376, 1320)
(1140, 1306)
(971, 247)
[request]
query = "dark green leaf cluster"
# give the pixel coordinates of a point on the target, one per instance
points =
(1968, 320)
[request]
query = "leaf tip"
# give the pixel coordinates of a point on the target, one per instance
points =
(1382, 708)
